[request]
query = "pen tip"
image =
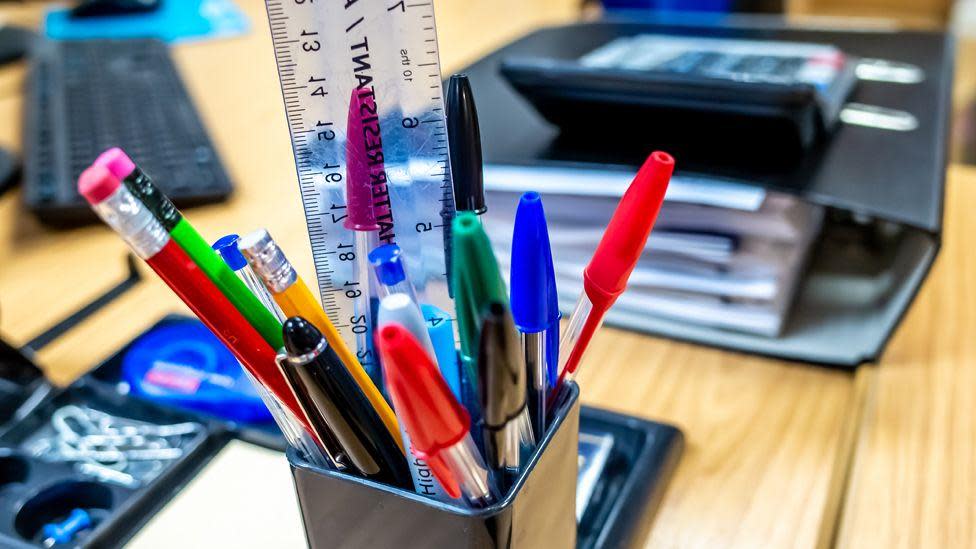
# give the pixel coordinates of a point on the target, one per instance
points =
(301, 336)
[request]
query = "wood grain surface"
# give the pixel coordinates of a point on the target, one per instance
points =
(769, 444)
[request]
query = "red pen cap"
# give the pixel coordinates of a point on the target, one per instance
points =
(424, 404)
(605, 277)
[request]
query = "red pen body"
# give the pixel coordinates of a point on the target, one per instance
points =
(185, 278)
(130, 218)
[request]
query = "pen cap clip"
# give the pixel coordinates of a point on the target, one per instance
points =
(433, 417)
(532, 276)
(605, 277)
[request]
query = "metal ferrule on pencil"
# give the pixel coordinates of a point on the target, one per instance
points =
(268, 260)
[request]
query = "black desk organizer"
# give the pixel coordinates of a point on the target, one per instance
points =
(883, 189)
(34, 492)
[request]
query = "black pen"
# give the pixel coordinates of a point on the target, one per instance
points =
(502, 385)
(464, 142)
(467, 175)
(332, 400)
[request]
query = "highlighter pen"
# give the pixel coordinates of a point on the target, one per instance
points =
(295, 299)
(400, 309)
(227, 248)
(529, 277)
(501, 368)
(187, 237)
(123, 212)
(605, 276)
(437, 423)
(335, 404)
(477, 283)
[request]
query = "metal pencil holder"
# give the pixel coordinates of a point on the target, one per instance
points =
(343, 511)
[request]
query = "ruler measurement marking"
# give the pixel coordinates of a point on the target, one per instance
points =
(305, 114)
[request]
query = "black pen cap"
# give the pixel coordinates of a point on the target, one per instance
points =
(501, 368)
(464, 141)
(301, 336)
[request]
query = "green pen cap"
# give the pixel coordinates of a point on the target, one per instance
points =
(476, 280)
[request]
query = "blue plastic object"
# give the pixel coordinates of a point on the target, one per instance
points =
(57, 533)
(227, 248)
(441, 330)
(174, 21)
(387, 260)
(181, 364)
(535, 305)
(720, 6)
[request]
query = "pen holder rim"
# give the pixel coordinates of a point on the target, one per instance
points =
(566, 404)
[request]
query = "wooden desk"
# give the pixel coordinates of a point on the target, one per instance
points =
(768, 443)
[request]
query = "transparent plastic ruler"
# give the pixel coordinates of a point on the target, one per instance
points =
(326, 50)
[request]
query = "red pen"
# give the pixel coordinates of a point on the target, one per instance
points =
(605, 277)
(124, 213)
(439, 427)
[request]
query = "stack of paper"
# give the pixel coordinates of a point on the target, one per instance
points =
(722, 254)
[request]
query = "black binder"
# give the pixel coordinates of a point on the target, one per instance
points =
(883, 189)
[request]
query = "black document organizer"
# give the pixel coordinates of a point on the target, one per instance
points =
(635, 477)
(859, 283)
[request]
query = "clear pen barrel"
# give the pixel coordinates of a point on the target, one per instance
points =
(361, 302)
(260, 291)
(574, 328)
(294, 433)
(469, 469)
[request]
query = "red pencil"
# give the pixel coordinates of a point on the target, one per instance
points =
(146, 236)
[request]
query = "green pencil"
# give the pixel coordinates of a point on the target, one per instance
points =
(194, 245)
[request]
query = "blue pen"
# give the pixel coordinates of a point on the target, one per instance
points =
(530, 299)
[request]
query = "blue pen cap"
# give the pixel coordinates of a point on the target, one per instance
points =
(531, 266)
(387, 260)
(227, 248)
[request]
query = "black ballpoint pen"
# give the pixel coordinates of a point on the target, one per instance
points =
(502, 384)
(333, 400)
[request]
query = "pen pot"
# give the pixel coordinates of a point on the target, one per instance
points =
(539, 510)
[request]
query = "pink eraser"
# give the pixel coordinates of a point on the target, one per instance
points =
(117, 162)
(97, 183)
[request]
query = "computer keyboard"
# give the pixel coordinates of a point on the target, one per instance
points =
(87, 96)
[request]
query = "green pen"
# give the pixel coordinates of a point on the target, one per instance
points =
(194, 245)
(477, 283)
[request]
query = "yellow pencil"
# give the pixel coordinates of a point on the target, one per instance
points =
(295, 299)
